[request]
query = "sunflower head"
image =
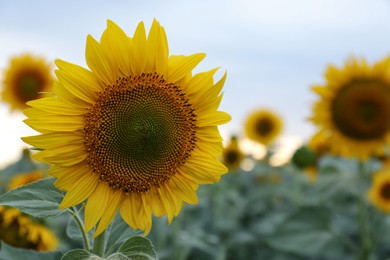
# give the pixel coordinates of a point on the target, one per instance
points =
(379, 193)
(232, 154)
(18, 230)
(354, 107)
(137, 131)
(263, 126)
(319, 143)
(25, 178)
(26, 78)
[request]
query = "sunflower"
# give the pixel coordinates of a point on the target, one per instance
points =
(137, 132)
(25, 79)
(263, 126)
(232, 154)
(319, 143)
(354, 107)
(379, 193)
(25, 178)
(18, 230)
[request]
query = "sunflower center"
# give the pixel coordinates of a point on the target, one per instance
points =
(138, 132)
(361, 109)
(28, 85)
(264, 126)
(385, 191)
(231, 156)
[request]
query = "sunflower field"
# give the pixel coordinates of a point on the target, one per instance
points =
(127, 160)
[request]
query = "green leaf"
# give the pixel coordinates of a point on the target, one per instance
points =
(119, 233)
(139, 248)
(79, 254)
(306, 233)
(39, 199)
(10, 252)
(118, 256)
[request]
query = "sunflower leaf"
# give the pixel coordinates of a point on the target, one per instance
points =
(118, 256)
(120, 231)
(10, 252)
(39, 199)
(79, 254)
(138, 248)
(309, 224)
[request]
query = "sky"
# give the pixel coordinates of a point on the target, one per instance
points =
(273, 51)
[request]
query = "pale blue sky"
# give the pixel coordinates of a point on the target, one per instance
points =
(272, 50)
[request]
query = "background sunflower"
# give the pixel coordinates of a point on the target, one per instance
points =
(354, 108)
(379, 193)
(27, 77)
(263, 126)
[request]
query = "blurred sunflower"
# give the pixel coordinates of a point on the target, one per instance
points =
(232, 154)
(25, 178)
(26, 78)
(263, 126)
(137, 132)
(379, 193)
(319, 143)
(18, 230)
(354, 107)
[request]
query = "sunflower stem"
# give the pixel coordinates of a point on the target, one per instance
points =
(77, 218)
(366, 243)
(99, 244)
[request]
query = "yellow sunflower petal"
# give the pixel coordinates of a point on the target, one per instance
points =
(53, 105)
(55, 123)
(213, 118)
(50, 140)
(99, 63)
(115, 41)
(68, 176)
(183, 66)
(182, 188)
(96, 205)
(138, 51)
(135, 214)
(110, 212)
(157, 49)
(158, 207)
(80, 191)
(79, 81)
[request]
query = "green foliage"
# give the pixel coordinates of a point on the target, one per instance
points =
(10, 252)
(277, 213)
(267, 213)
(138, 248)
(79, 254)
(119, 233)
(134, 248)
(39, 199)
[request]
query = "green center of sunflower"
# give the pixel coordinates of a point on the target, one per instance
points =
(385, 191)
(28, 85)
(264, 126)
(361, 109)
(138, 132)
